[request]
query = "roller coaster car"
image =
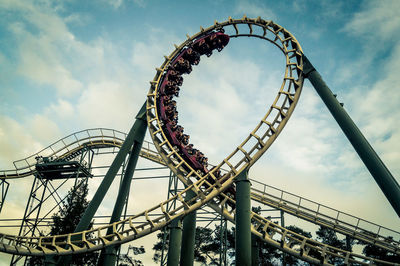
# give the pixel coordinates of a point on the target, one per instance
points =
(172, 134)
(191, 159)
(182, 65)
(218, 41)
(171, 111)
(192, 56)
(202, 47)
(169, 88)
(175, 77)
(162, 107)
(214, 40)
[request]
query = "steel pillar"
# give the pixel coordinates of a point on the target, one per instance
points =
(3, 192)
(243, 220)
(137, 129)
(223, 238)
(172, 190)
(108, 255)
(175, 239)
(255, 250)
(376, 167)
(283, 225)
(188, 235)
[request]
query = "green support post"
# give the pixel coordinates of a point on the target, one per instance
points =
(108, 255)
(283, 225)
(188, 234)
(175, 239)
(376, 167)
(137, 130)
(243, 220)
(255, 251)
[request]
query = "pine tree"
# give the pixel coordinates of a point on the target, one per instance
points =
(67, 219)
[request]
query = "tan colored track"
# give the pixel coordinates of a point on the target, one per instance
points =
(75, 143)
(289, 203)
(323, 215)
(246, 154)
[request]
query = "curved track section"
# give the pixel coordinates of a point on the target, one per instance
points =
(323, 215)
(72, 145)
(265, 132)
(112, 144)
(265, 194)
(208, 188)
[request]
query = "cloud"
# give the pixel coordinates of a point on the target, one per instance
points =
(119, 3)
(149, 53)
(378, 19)
(377, 106)
(253, 10)
(222, 100)
(48, 53)
(63, 109)
(16, 142)
(43, 129)
(40, 54)
(108, 104)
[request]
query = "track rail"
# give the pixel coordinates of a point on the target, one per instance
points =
(75, 142)
(323, 215)
(207, 187)
(290, 203)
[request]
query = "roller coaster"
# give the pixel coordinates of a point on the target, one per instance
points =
(224, 187)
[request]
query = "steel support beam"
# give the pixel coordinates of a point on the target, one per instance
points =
(188, 234)
(98, 197)
(175, 239)
(255, 251)
(376, 167)
(243, 220)
(108, 255)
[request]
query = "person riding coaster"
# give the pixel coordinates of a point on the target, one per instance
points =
(174, 77)
(192, 56)
(214, 40)
(182, 64)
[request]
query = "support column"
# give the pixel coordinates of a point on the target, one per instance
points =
(108, 255)
(255, 250)
(188, 235)
(175, 239)
(283, 225)
(376, 167)
(242, 220)
(138, 127)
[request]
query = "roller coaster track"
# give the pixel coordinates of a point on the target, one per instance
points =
(268, 195)
(208, 188)
(73, 145)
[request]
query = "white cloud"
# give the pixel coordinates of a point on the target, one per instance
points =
(119, 3)
(108, 104)
(254, 10)
(43, 129)
(379, 19)
(15, 141)
(49, 53)
(41, 55)
(63, 109)
(377, 106)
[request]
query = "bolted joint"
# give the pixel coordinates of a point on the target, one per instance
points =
(141, 115)
(243, 176)
(307, 67)
(175, 224)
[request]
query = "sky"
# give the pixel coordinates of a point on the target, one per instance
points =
(73, 65)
